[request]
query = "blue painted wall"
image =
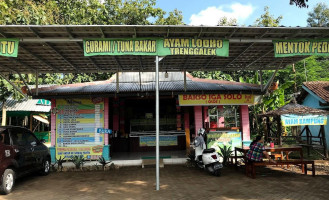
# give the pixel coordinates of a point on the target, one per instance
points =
(313, 102)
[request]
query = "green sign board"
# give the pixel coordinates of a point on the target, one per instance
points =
(216, 139)
(156, 46)
(149, 141)
(9, 47)
(296, 120)
(43, 102)
(285, 48)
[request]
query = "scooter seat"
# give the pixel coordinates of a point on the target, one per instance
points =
(211, 150)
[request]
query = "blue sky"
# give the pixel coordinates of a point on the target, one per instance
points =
(207, 12)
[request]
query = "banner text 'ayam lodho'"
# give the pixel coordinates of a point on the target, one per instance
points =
(285, 48)
(156, 46)
(9, 47)
(216, 99)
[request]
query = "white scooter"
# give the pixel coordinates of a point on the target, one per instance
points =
(207, 159)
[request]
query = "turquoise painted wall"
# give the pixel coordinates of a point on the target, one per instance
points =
(312, 102)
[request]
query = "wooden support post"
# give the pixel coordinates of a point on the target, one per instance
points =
(187, 129)
(31, 121)
(268, 131)
(279, 131)
(323, 132)
(4, 114)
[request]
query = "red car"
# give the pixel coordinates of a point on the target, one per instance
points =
(20, 153)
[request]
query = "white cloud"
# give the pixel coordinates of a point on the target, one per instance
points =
(211, 15)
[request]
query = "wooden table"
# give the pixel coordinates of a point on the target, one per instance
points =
(278, 149)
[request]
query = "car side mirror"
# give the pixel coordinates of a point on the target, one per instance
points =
(34, 143)
(43, 141)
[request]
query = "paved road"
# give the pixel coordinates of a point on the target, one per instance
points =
(177, 182)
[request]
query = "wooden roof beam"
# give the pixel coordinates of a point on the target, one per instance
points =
(21, 63)
(54, 49)
(40, 59)
(259, 58)
(117, 61)
(102, 32)
(32, 54)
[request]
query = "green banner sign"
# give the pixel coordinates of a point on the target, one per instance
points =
(285, 48)
(9, 47)
(156, 46)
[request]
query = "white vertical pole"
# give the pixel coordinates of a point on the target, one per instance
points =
(157, 121)
(36, 82)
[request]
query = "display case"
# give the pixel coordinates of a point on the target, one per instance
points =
(140, 127)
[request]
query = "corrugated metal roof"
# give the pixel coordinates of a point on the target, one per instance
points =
(25, 105)
(130, 83)
(57, 48)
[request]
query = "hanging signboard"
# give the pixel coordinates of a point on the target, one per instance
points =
(78, 122)
(296, 120)
(149, 141)
(9, 47)
(44, 102)
(156, 47)
(285, 48)
(215, 99)
(216, 139)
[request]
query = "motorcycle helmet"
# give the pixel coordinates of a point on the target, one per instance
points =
(201, 132)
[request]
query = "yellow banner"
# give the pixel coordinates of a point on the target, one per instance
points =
(90, 152)
(216, 99)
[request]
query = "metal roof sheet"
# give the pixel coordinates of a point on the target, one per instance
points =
(25, 105)
(58, 48)
(129, 82)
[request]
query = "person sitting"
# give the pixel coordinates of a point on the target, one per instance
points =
(257, 151)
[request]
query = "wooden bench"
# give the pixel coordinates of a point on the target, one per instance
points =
(251, 166)
(151, 160)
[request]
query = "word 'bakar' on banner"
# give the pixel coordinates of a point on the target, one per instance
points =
(9, 47)
(285, 48)
(156, 46)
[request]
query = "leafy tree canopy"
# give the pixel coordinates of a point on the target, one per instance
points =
(299, 3)
(268, 20)
(319, 17)
(87, 12)
(224, 21)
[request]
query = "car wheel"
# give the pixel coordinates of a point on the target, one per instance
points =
(45, 167)
(7, 181)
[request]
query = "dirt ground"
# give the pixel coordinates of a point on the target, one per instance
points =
(177, 182)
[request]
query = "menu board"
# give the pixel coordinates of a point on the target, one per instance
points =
(77, 121)
(216, 139)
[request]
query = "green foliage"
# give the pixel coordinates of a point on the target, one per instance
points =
(86, 12)
(224, 21)
(190, 161)
(268, 20)
(300, 3)
(78, 161)
(215, 75)
(5, 92)
(319, 17)
(103, 162)
(60, 162)
(225, 152)
(28, 12)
